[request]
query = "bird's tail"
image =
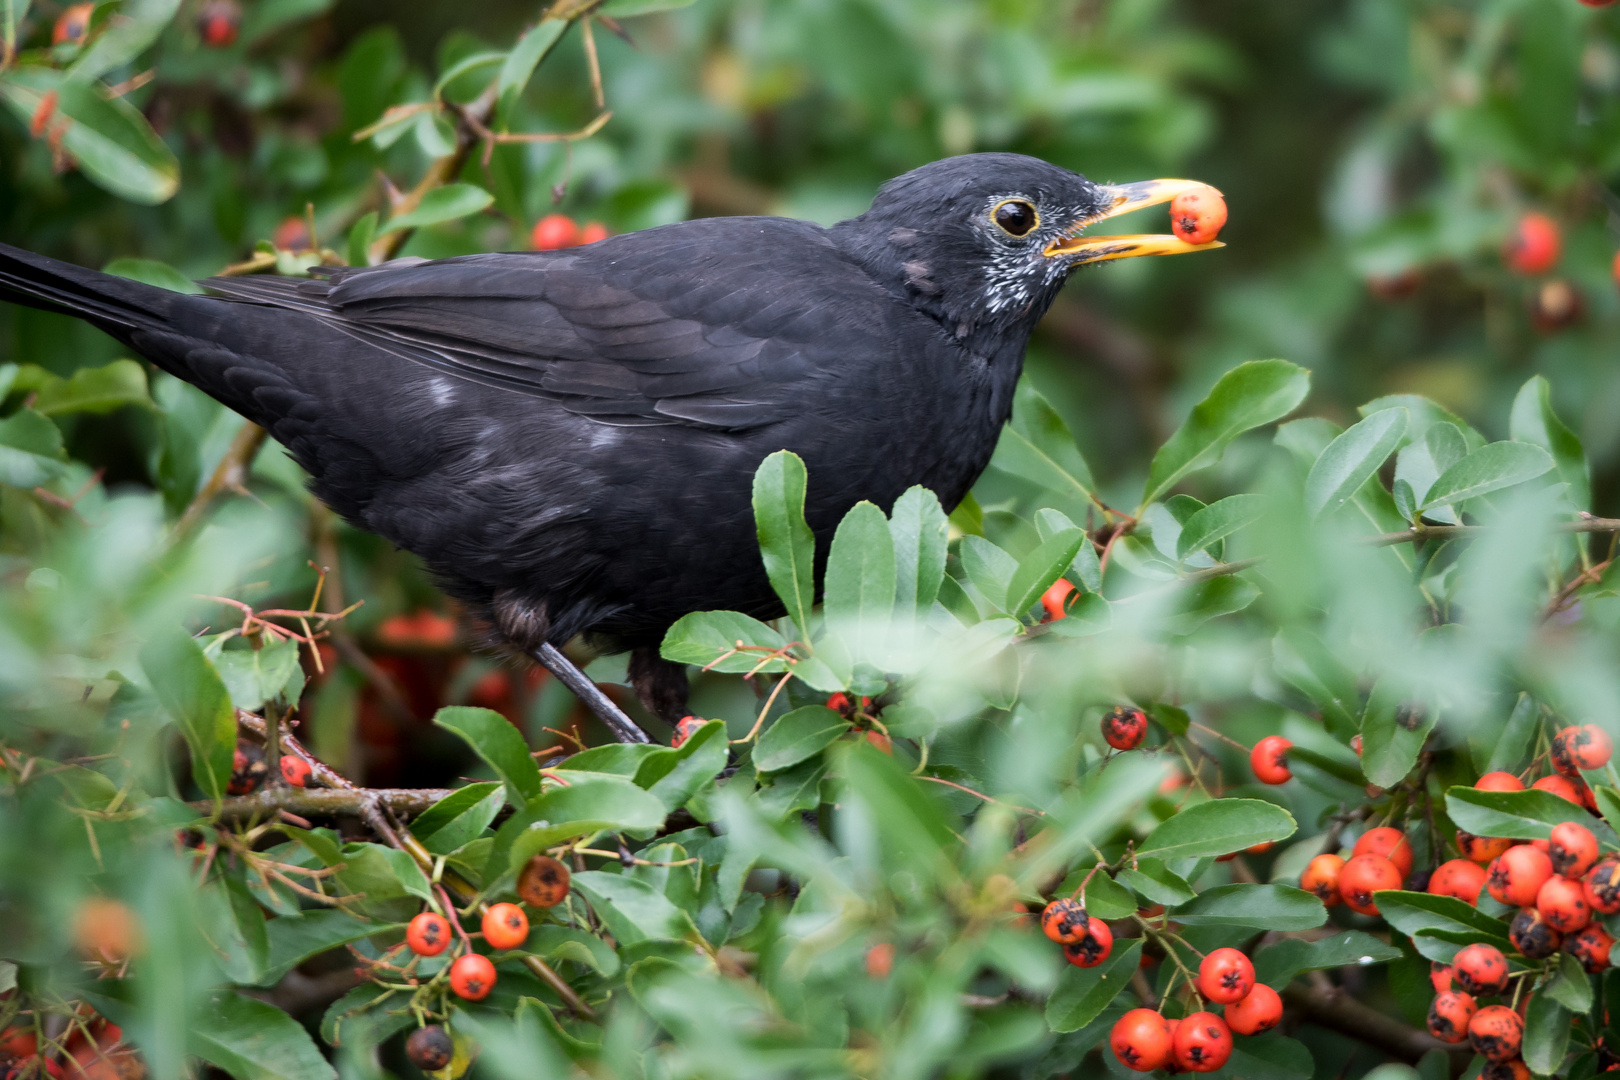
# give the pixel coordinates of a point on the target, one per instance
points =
(117, 305)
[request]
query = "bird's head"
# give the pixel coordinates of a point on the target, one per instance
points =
(984, 241)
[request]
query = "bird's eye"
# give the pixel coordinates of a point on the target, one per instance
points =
(1015, 216)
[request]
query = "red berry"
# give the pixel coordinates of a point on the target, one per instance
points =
(218, 23)
(1225, 976)
(472, 977)
(1585, 747)
(1093, 948)
(1535, 246)
(1449, 1016)
(1499, 781)
(1321, 877)
(505, 926)
(880, 960)
(1563, 787)
(1563, 904)
(880, 741)
(1481, 849)
(1196, 216)
(430, 1048)
(295, 770)
(554, 231)
(19, 1042)
(1496, 1032)
(685, 729)
(1601, 886)
(1064, 921)
(72, 25)
(1388, 842)
(1480, 970)
(1364, 875)
(1439, 976)
(1140, 1040)
(1261, 1011)
(1056, 599)
(1591, 947)
(1124, 728)
(1573, 849)
(428, 934)
(592, 232)
(1202, 1042)
(543, 882)
(1533, 935)
(1460, 878)
(1269, 759)
(1517, 875)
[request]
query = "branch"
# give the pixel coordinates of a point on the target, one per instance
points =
(1333, 1008)
(468, 122)
(1585, 524)
(322, 802)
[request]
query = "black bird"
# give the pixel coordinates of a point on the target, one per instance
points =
(568, 438)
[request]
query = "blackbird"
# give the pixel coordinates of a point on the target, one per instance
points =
(568, 438)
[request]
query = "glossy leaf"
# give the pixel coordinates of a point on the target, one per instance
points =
(1546, 1034)
(1271, 907)
(1522, 815)
(633, 910)
(112, 141)
(195, 698)
(1038, 570)
(441, 205)
(989, 568)
(785, 541)
(589, 802)
(530, 50)
(860, 585)
(253, 1040)
(295, 938)
(125, 38)
(152, 272)
(798, 736)
(673, 776)
(918, 528)
(1352, 459)
(1036, 445)
(30, 450)
(1277, 965)
(711, 639)
(459, 817)
(1393, 731)
(1534, 421)
(1083, 993)
(1570, 986)
(1412, 912)
(1246, 397)
(1217, 827)
(1215, 522)
(1492, 467)
(501, 745)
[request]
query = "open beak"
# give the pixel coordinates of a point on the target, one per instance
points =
(1128, 197)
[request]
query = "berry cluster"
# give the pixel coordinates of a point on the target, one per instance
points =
(1144, 1039)
(248, 769)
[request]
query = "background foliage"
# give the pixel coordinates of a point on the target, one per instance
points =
(1375, 155)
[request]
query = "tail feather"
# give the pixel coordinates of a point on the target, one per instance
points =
(114, 304)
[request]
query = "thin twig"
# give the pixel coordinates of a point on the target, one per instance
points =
(229, 475)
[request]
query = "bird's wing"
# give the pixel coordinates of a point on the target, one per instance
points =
(716, 323)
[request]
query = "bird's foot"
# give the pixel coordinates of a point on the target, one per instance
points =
(661, 684)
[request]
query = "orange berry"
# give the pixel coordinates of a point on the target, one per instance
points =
(1260, 1011)
(1563, 787)
(428, 934)
(592, 232)
(1388, 842)
(1460, 878)
(1056, 599)
(1585, 747)
(1269, 759)
(1499, 781)
(72, 25)
(106, 930)
(685, 729)
(472, 977)
(1449, 1016)
(543, 882)
(1202, 1042)
(1563, 904)
(1439, 976)
(1124, 728)
(1535, 245)
(295, 770)
(554, 231)
(1197, 216)
(1572, 848)
(1601, 886)
(1481, 849)
(1321, 877)
(1516, 876)
(880, 960)
(1093, 948)
(1480, 970)
(1363, 876)
(1140, 1040)
(1225, 976)
(1496, 1032)
(1064, 921)
(505, 926)
(1591, 947)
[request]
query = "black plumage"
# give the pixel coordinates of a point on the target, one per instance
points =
(568, 438)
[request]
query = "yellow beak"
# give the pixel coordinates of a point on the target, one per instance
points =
(1128, 197)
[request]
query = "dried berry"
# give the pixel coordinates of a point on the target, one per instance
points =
(543, 883)
(1573, 849)
(1533, 935)
(1480, 970)
(1591, 947)
(430, 1048)
(1449, 1015)
(1601, 886)
(1093, 947)
(1496, 1033)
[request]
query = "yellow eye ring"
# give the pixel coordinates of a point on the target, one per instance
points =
(1015, 217)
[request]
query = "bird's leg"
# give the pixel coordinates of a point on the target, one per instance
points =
(528, 626)
(624, 729)
(660, 683)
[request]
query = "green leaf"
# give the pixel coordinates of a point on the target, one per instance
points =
(1246, 397)
(1157, 883)
(591, 801)
(253, 1040)
(1217, 827)
(710, 639)
(1490, 468)
(1275, 1057)
(1570, 986)
(440, 205)
(494, 738)
(1036, 445)
(1533, 421)
(95, 390)
(918, 527)
(526, 55)
(989, 568)
(566, 943)
(1412, 912)
(1352, 459)
(30, 450)
(361, 235)
(1083, 993)
(1514, 742)
(633, 910)
(1393, 731)
(1041, 568)
(459, 817)
(475, 62)
(624, 9)
(860, 585)
(798, 736)
(673, 776)
(1546, 1034)
(785, 541)
(1217, 521)
(152, 272)
(254, 676)
(139, 24)
(1272, 907)
(1276, 965)
(195, 698)
(295, 938)
(113, 143)
(1521, 815)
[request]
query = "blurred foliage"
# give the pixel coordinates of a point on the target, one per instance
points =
(1376, 155)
